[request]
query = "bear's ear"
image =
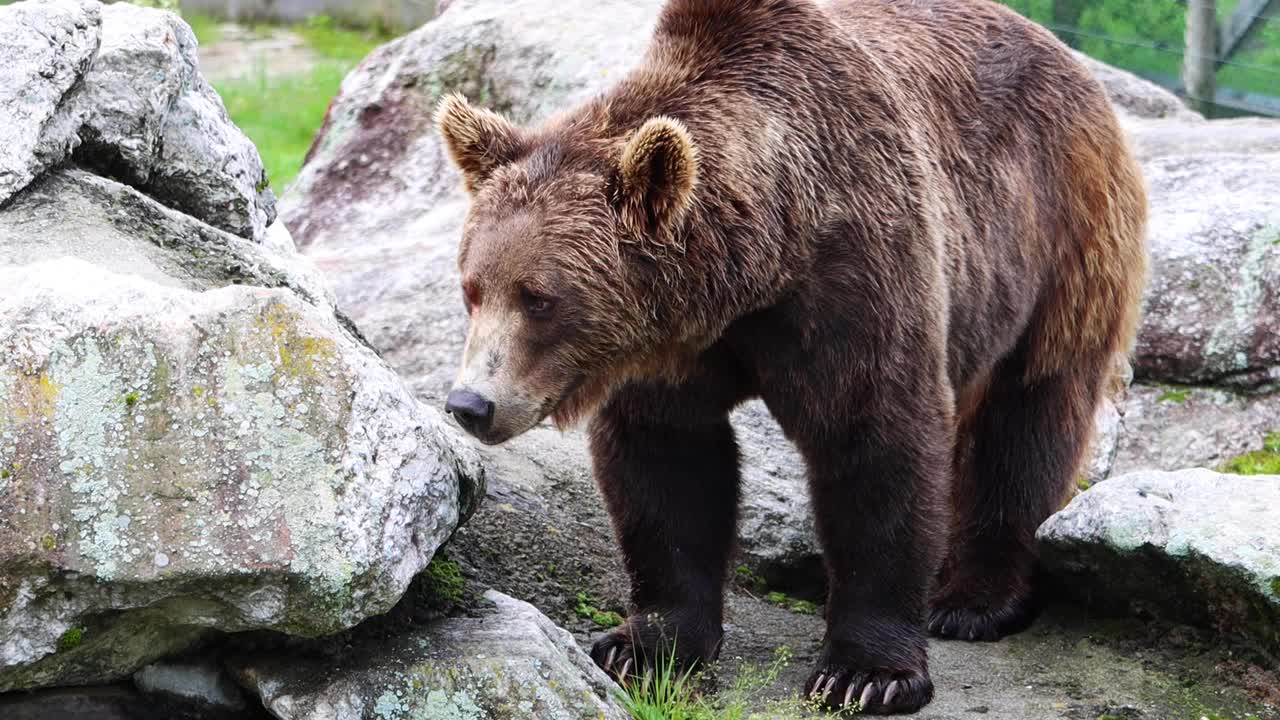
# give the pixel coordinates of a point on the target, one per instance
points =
(657, 174)
(479, 141)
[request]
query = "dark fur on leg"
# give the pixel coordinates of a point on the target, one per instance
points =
(667, 464)
(1018, 454)
(876, 500)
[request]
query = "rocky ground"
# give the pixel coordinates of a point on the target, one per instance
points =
(219, 498)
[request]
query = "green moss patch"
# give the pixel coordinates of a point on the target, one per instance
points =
(585, 606)
(783, 600)
(71, 639)
(443, 583)
(1174, 395)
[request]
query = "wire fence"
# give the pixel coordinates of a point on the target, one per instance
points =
(1146, 37)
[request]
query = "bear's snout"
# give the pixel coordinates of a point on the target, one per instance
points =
(473, 411)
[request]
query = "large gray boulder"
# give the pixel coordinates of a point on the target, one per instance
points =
(45, 48)
(509, 663)
(1194, 546)
(182, 450)
(192, 439)
(115, 88)
(1213, 301)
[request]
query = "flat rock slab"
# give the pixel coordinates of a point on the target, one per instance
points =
(1171, 428)
(1194, 546)
(510, 663)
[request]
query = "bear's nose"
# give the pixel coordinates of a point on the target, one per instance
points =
(471, 409)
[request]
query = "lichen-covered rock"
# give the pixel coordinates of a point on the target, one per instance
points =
(192, 440)
(509, 664)
(1213, 302)
(1194, 546)
(45, 48)
(117, 89)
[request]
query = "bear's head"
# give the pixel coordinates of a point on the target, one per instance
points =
(565, 258)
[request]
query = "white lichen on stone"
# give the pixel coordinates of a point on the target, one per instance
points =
(232, 459)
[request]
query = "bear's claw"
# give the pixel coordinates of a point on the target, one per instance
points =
(956, 618)
(613, 654)
(878, 692)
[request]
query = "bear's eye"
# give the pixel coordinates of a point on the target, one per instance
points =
(536, 305)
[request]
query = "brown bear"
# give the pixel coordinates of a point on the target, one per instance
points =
(912, 227)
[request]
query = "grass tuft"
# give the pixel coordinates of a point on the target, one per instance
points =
(667, 693)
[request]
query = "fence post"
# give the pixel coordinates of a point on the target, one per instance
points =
(1200, 60)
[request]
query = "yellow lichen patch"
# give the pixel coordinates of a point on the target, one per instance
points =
(33, 397)
(299, 354)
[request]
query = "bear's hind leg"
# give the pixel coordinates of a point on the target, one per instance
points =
(1016, 456)
(667, 464)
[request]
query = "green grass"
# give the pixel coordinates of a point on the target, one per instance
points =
(207, 28)
(281, 113)
(338, 43)
(785, 601)
(1174, 395)
(670, 694)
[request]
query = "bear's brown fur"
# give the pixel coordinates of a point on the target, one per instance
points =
(912, 227)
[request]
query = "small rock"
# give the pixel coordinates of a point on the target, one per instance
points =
(511, 663)
(201, 683)
(1193, 546)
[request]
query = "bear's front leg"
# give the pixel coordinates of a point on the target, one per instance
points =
(878, 478)
(667, 463)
